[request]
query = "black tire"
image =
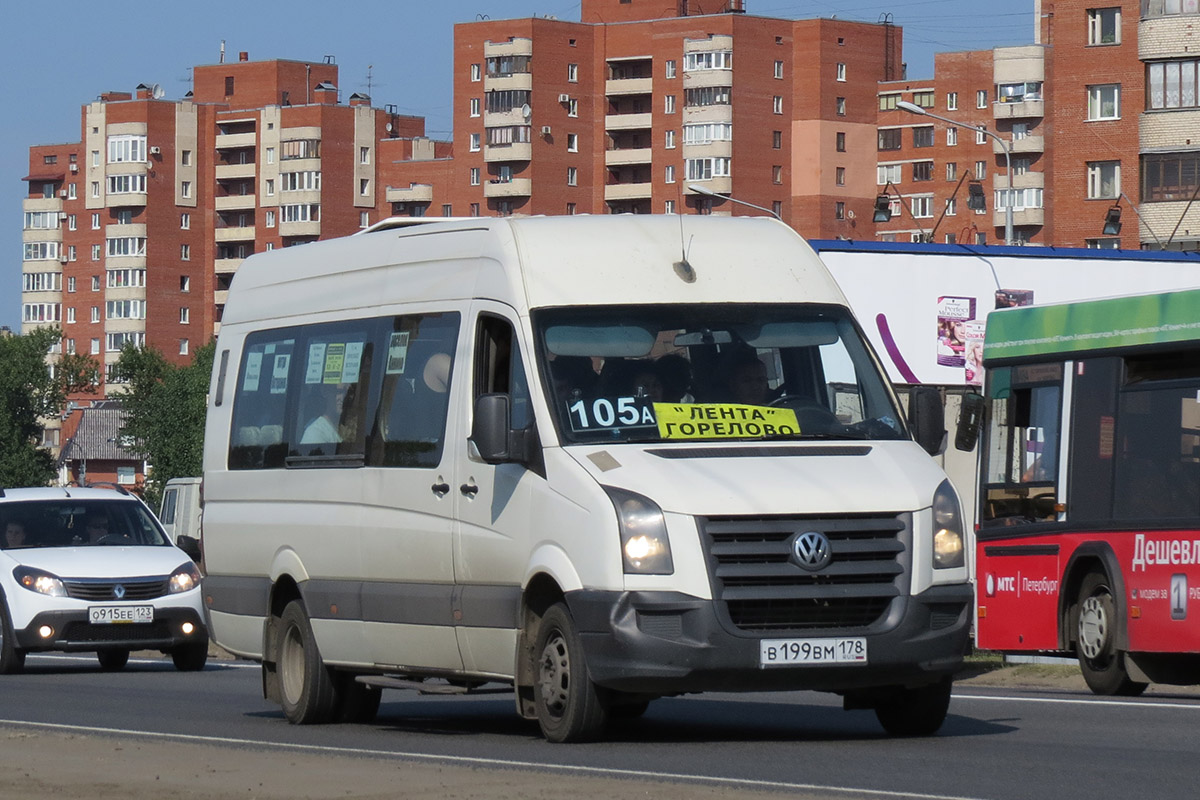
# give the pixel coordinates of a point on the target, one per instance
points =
(12, 658)
(356, 702)
(570, 708)
(916, 712)
(624, 706)
(1102, 664)
(112, 660)
(306, 687)
(190, 657)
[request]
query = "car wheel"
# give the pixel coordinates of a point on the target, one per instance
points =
(1102, 664)
(112, 660)
(12, 658)
(356, 702)
(190, 657)
(570, 708)
(306, 686)
(916, 712)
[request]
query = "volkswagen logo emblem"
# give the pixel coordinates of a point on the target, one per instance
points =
(811, 551)
(118, 591)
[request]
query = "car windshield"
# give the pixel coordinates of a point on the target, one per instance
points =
(712, 372)
(76, 523)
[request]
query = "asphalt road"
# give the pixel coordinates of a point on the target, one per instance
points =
(997, 744)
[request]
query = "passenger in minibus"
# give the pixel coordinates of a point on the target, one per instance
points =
(326, 403)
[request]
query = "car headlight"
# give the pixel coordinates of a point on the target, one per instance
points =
(948, 535)
(645, 549)
(184, 579)
(35, 580)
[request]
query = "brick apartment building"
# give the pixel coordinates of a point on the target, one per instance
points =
(134, 232)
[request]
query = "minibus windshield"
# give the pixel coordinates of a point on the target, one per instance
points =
(711, 372)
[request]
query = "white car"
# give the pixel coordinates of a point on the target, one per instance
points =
(90, 570)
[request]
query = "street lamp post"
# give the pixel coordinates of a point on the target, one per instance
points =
(913, 108)
(707, 192)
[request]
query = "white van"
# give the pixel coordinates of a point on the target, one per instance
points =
(179, 513)
(600, 459)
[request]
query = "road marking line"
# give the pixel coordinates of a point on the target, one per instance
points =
(1084, 701)
(487, 762)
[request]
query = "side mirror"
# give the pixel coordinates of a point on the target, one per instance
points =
(490, 428)
(970, 420)
(927, 418)
(190, 545)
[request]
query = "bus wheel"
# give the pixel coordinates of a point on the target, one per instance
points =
(569, 706)
(1102, 664)
(916, 712)
(306, 688)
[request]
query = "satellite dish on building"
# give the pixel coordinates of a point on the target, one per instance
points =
(388, 127)
(526, 112)
(156, 91)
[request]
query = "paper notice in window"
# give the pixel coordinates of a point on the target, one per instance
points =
(397, 353)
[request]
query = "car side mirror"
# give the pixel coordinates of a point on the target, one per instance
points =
(190, 545)
(927, 419)
(970, 421)
(490, 428)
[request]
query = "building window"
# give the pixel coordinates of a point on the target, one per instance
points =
(1104, 24)
(185, 221)
(951, 136)
(708, 132)
(981, 135)
(572, 176)
(839, 210)
(70, 316)
(185, 189)
(889, 138)
(71, 252)
(777, 208)
(1020, 164)
(776, 140)
(670, 69)
(476, 72)
(1018, 92)
(669, 207)
(922, 171)
(447, 210)
(364, 219)
(777, 104)
(95, 314)
(474, 146)
(96, 252)
(95, 158)
(779, 70)
(185, 283)
(1172, 84)
(1170, 176)
(981, 98)
(888, 173)
(839, 176)
(980, 170)
(474, 176)
(708, 60)
(841, 73)
(95, 347)
(887, 102)
(1020, 198)
(1104, 101)
(840, 141)
(269, 189)
(269, 155)
(71, 284)
(185, 158)
(474, 209)
(951, 207)
(669, 104)
(777, 174)
(570, 209)
(573, 107)
(364, 187)
(923, 136)
(572, 73)
(669, 174)
(474, 108)
(922, 207)
(951, 170)
(923, 99)
(572, 142)
(185, 252)
(669, 140)
(183, 347)
(702, 169)
(95, 189)
(126, 148)
(841, 106)
(185, 315)
(952, 101)
(269, 219)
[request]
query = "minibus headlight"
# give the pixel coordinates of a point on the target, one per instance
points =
(948, 540)
(645, 549)
(35, 580)
(184, 579)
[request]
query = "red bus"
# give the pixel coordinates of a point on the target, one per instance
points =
(1089, 534)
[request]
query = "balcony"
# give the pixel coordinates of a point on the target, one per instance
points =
(627, 122)
(1024, 109)
(124, 199)
(716, 113)
(235, 202)
(414, 193)
(627, 191)
(42, 204)
(707, 77)
(518, 81)
(628, 86)
(520, 151)
(1165, 37)
(235, 234)
(227, 264)
(298, 229)
(1021, 216)
(502, 119)
(230, 141)
(1027, 144)
(515, 187)
(632, 155)
(226, 172)
(718, 185)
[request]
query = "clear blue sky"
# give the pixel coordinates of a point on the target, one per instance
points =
(58, 57)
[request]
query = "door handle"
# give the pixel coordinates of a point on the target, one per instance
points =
(440, 489)
(469, 489)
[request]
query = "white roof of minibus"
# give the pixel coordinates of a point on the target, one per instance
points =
(531, 262)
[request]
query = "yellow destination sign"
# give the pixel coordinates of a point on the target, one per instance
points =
(723, 421)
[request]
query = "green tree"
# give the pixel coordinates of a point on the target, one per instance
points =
(165, 411)
(28, 393)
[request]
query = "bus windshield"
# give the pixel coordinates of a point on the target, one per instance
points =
(711, 372)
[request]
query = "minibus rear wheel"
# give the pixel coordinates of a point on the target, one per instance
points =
(570, 708)
(306, 687)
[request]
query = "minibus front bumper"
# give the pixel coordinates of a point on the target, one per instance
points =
(668, 643)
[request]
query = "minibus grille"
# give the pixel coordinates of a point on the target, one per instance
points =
(762, 588)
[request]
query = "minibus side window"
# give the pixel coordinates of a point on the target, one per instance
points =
(257, 439)
(417, 358)
(332, 390)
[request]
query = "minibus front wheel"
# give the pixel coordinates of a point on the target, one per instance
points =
(306, 689)
(570, 708)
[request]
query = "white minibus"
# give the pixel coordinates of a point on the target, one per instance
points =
(597, 459)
